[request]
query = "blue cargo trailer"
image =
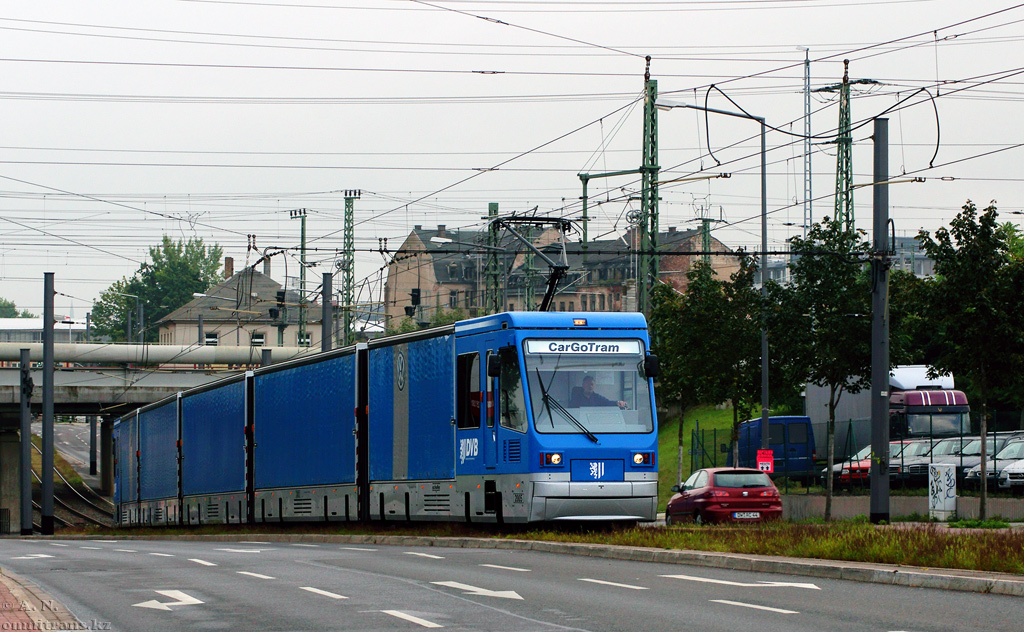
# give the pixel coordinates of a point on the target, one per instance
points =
(304, 449)
(158, 462)
(213, 452)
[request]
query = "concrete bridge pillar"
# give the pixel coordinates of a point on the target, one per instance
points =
(10, 483)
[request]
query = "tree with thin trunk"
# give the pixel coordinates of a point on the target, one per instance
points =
(974, 304)
(821, 323)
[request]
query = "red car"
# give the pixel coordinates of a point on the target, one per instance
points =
(724, 494)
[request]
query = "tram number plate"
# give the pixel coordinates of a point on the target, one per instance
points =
(746, 515)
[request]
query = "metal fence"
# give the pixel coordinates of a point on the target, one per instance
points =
(908, 465)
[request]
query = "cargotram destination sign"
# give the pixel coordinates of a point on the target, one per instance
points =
(581, 347)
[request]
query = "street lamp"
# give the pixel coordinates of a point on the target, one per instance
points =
(668, 105)
(138, 310)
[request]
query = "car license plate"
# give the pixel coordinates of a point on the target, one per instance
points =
(746, 515)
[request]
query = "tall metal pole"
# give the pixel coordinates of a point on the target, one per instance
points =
(26, 444)
(327, 315)
(47, 467)
(880, 330)
(764, 289)
(92, 445)
(301, 215)
(140, 310)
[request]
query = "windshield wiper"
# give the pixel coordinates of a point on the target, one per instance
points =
(550, 401)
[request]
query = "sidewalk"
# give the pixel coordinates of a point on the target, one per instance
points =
(25, 606)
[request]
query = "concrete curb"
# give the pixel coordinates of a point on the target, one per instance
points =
(911, 576)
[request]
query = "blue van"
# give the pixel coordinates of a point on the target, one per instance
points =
(791, 440)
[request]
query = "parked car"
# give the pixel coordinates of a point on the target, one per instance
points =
(724, 494)
(1012, 452)
(791, 440)
(1011, 477)
(858, 468)
(970, 455)
(916, 469)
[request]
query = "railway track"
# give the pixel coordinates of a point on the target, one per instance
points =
(107, 513)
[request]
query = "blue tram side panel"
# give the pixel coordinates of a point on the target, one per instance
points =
(213, 453)
(304, 452)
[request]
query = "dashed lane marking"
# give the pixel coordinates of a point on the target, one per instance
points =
(325, 593)
(56, 544)
(312, 546)
(356, 548)
(410, 618)
(203, 562)
(754, 606)
(126, 550)
(92, 548)
(506, 568)
(256, 575)
(433, 557)
(617, 585)
(162, 554)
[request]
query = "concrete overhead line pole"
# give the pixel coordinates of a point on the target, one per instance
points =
(880, 261)
(47, 467)
(327, 316)
(26, 443)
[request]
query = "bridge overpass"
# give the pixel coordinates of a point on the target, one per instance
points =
(108, 381)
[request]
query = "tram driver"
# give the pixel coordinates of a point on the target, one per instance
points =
(585, 395)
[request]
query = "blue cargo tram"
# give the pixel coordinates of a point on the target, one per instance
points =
(516, 417)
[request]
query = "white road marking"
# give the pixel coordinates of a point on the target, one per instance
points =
(754, 606)
(126, 550)
(106, 541)
(56, 544)
(256, 575)
(483, 592)
(242, 550)
(162, 554)
(182, 600)
(433, 557)
(92, 548)
(312, 546)
(507, 568)
(355, 548)
(723, 582)
(254, 542)
(601, 581)
(412, 619)
(203, 562)
(322, 592)
(33, 556)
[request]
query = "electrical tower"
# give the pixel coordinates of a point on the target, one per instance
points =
(348, 267)
(647, 275)
(844, 144)
(705, 219)
(492, 272)
(808, 213)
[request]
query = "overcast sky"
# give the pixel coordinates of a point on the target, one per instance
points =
(124, 121)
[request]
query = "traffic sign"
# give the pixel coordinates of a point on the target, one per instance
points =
(766, 461)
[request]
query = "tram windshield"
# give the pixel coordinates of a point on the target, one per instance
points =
(591, 386)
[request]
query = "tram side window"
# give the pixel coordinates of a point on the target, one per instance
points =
(510, 385)
(468, 389)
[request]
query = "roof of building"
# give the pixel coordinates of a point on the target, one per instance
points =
(248, 295)
(36, 324)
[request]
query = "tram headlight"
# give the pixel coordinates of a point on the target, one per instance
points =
(643, 458)
(551, 458)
